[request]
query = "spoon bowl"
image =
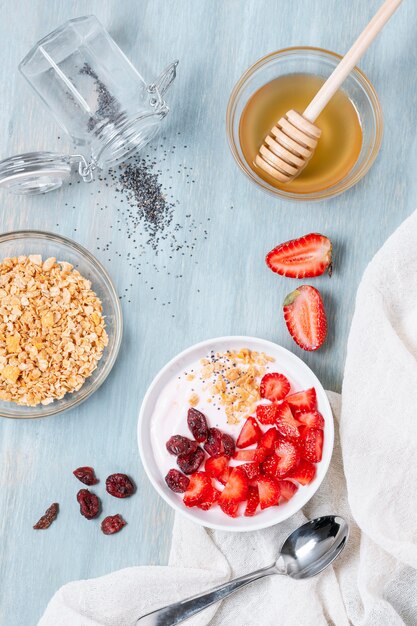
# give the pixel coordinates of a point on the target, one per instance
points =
(313, 546)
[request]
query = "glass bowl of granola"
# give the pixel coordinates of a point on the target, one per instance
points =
(60, 324)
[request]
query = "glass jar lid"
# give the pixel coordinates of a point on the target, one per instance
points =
(34, 172)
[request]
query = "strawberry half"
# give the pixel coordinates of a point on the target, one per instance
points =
(235, 491)
(269, 491)
(274, 387)
(308, 256)
(253, 501)
(303, 400)
(312, 445)
(304, 473)
(312, 419)
(286, 424)
(198, 490)
(288, 458)
(250, 433)
(305, 317)
(288, 489)
(269, 438)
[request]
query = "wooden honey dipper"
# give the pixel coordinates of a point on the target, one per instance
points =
(292, 141)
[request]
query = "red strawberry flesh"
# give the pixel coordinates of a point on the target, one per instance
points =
(198, 489)
(304, 472)
(286, 424)
(266, 413)
(311, 419)
(288, 457)
(250, 433)
(274, 387)
(253, 501)
(304, 257)
(305, 317)
(303, 400)
(235, 491)
(312, 445)
(269, 491)
(288, 489)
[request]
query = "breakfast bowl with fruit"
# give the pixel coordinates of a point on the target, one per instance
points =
(236, 433)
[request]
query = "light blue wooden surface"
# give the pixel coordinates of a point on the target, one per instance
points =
(229, 290)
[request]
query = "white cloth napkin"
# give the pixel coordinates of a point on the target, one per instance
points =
(374, 582)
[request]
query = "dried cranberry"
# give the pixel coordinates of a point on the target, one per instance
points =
(180, 445)
(89, 503)
(228, 444)
(176, 481)
(112, 524)
(49, 516)
(189, 463)
(86, 475)
(214, 443)
(119, 486)
(197, 424)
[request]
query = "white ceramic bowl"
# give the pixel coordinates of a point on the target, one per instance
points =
(300, 376)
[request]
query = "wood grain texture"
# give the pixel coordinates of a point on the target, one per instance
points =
(225, 287)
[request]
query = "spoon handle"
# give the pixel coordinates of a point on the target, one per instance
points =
(180, 611)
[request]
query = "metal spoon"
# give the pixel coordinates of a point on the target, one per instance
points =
(305, 553)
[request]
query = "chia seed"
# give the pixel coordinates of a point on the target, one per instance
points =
(108, 107)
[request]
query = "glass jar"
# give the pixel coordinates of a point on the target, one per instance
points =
(96, 95)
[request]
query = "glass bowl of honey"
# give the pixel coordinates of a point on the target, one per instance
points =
(351, 124)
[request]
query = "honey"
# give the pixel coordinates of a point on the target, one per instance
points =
(338, 147)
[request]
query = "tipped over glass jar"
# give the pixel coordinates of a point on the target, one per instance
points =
(99, 99)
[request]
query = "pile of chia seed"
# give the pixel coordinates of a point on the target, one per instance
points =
(108, 107)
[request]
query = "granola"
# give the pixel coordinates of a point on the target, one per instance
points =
(52, 330)
(234, 380)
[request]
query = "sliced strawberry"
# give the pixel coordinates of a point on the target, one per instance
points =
(305, 317)
(230, 508)
(198, 489)
(312, 419)
(250, 433)
(269, 466)
(223, 478)
(269, 438)
(210, 499)
(217, 465)
(312, 445)
(266, 413)
(288, 457)
(274, 387)
(235, 491)
(288, 489)
(304, 473)
(258, 455)
(269, 491)
(251, 470)
(253, 501)
(303, 400)
(286, 424)
(305, 257)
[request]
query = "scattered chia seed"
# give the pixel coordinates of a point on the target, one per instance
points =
(154, 226)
